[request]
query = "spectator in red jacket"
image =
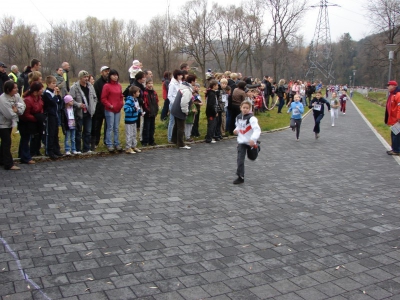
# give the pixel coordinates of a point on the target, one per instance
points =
(392, 116)
(112, 99)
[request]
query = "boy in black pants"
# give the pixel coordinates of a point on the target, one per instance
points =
(248, 132)
(212, 110)
(52, 105)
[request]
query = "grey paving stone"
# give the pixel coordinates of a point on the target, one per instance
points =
(124, 293)
(193, 293)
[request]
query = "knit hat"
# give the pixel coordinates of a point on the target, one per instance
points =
(68, 98)
(136, 63)
(83, 73)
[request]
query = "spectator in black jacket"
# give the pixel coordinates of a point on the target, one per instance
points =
(98, 117)
(36, 65)
(212, 110)
(3, 76)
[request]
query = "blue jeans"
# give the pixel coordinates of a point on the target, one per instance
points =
(113, 120)
(281, 104)
(24, 149)
(228, 119)
(395, 142)
(317, 119)
(170, 125)
(70, 135)
(83, 128)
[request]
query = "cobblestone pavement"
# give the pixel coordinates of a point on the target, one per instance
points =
(315, 219)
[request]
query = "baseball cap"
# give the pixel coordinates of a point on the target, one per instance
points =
(104, 68)
(2, 65)
(391, 82)
(83, 73)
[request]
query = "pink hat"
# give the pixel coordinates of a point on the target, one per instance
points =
(68, 98)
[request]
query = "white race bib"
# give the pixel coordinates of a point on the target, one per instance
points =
(70, 114)
(296, 111)
(317, 107)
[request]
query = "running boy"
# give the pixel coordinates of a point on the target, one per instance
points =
(248, 132)
(297, 110)
(317, 104)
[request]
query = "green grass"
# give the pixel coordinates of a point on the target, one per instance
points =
(379, 97)
(374, 113)
(268, 121)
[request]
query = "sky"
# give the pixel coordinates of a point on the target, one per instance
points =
(350, 17)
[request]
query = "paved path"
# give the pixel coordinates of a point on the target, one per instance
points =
(315, 219)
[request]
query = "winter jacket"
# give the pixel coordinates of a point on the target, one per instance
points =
(3, 78)
(98, 88)
(51, 103)
(297, 109)
(392, 113)
(238, 97)
(8, 118)
(181, 103)
(165, 86)
(173, 89)
(112, 96)
(132, 110)
(150, 103)
(248, 128)
(76, 93)
(319, 103)
(24, 77)
(140, 86)
(33, 106)
(212, 103)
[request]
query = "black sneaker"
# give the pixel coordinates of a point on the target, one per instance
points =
(238, 180)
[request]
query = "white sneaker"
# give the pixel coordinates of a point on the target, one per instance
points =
(185, 147)
(136, 150)
(76, 152)
(213, 141)
(68, 153)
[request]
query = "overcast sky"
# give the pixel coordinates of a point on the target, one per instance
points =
(350, 17)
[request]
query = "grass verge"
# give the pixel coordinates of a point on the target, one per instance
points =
(375, 115)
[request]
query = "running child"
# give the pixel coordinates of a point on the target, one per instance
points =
(297, 110)
(248, 132)
(317, 104)
(334, 108)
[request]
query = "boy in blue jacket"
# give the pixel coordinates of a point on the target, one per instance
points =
(297, 109)
(132, 113)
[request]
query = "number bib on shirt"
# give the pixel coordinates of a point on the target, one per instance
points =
(317, 107)
(296, 111)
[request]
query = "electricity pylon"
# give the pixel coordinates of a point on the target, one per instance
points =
(320, 57)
